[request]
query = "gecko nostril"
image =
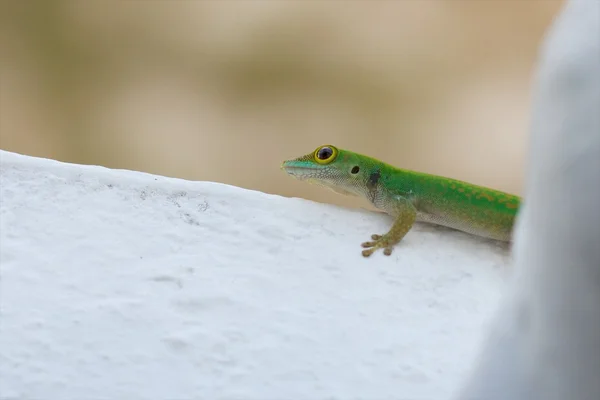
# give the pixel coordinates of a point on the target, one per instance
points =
(355, 169)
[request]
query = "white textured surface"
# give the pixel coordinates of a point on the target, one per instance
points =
(123, 285)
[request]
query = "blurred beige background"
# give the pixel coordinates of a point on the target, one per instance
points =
(226, 90)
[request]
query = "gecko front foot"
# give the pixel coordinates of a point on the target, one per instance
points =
(379, 242)
(406, 216)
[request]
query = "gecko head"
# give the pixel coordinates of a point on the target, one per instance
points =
(339, 170)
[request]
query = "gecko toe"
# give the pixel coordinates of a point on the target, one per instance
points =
(387, 251)
(368, 252)
(376, 238)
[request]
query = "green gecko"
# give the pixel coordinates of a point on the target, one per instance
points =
(408, 196)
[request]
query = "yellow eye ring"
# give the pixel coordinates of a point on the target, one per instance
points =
(325, 154)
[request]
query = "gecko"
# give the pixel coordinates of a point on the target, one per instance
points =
(408, 196)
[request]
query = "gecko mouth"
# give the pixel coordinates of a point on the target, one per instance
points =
(299, 171)
(313, 174)
(308, 173)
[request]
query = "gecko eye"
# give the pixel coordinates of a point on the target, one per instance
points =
(355, 169)
(325, 154)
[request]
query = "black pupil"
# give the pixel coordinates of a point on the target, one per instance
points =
(325, 153)
(355, 169)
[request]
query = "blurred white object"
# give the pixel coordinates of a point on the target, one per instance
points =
(545, 341)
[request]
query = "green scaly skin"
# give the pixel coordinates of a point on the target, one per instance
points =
(408, 196)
